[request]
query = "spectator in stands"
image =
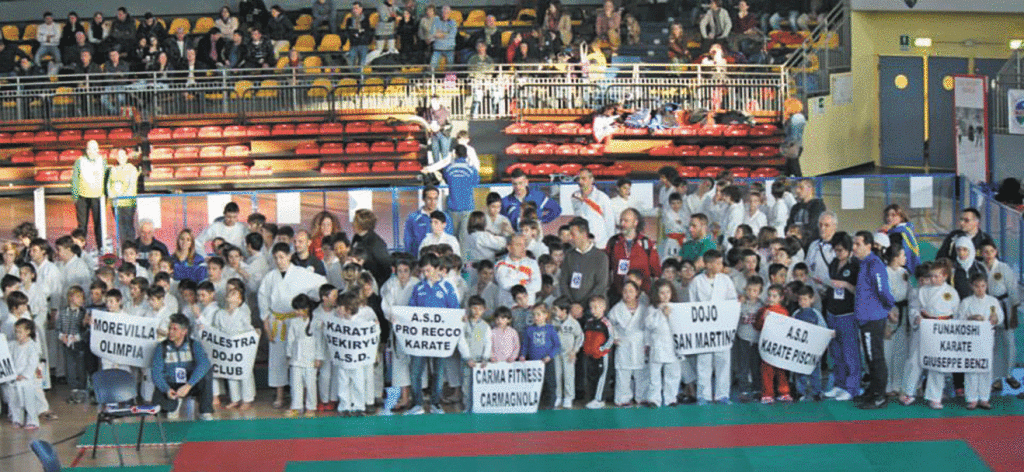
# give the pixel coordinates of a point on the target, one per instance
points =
(608, 25)
(716, 25)
(746, 31)
(524, 53)
(122, 30)
(176, 47)
(387, 16)
(209, 48)
(444, 30)
(114, 64)
(73, 52)
(148, 242)
(151, 27)
(85, 65)
(323, 12)
(259, 52)
(99, 29)
(358, 30)
(480, 63)
(806, 211)
(425, 25)
(254, 13)
(793, 144)
(235, 51)
(378, 259)
(409, 46)
(632, 29)
(558, 21)
(490, 35)
(785, 10)
(815, 13)
(190, 70)
(140, 58)
(440, 128)
(9, 58)
(67, 35)
(226, 22)
(678, 52)
(513, 47)
(280, 29)
(48, 36)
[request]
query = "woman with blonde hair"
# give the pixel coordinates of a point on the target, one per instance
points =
(187, 263)
(10, 258)
(323, 224)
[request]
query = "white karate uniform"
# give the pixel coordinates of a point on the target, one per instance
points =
(433, 240)
(508, 273)
(672, 222)
(234, 234)
(303, 351)
(1003, 284)
(733, 219)
(275, 301)
(366, 313)
(978, 385)
(596, 209)
(938, 301)
(235, 322)
(756, 221)
(24, 400)
(703, 289)
(74, 272)
(630, 359)
(393, 294)
(327, 380)
(665, 368)
(895, 344)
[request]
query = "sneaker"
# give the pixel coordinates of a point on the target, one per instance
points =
(906, 400)
(567, 403)
(834, 392)
(437, 410)
(206, 417)
(935, 405)
(558, 401)
(595, 405)
(416, 410)
(31, 427)
(785, 398)
(972, 405)
(843, 396)
(309, 414)
(767, 400)
(984, 405)
(1013, 382)
(292, 414)
(724, 401)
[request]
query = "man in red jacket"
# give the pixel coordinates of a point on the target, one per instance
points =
(631, 250)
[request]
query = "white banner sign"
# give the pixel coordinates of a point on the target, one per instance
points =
(6, 363)
(700, 327)
(231, 357)
(428, 332)
(351, 342)
(508, 387)
(793, 345)
(956, 346)
(971, 114)
(1015, 102)
(123, 339)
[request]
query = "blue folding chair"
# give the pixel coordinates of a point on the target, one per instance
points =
(47, 456)
(116, 394)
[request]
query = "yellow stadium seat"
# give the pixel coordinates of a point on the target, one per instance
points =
(282, 62)
(525, 17)
(179, 23)
(457, 16)
(242, 88)
(11, 32)
(319, 88)
(27, 48)
(63, 96)
(203, 25)
(373, 86)
(475, 19)
(282, 48)
(347, 87)
(30, 32)
(312, 64)
(330, 43)
(305, 43)
(268, 89)
(374, 19)
(304, 22)
(506, 36)
(397, 86)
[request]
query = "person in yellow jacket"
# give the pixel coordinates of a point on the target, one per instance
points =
(87, 179)
(122, 181)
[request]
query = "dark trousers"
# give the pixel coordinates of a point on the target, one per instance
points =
(596, 377)
(202, 390)
(74, 362)
(125, 217)
(547, 390)
(793, 167)
(748, 366)
(83, 206)
(873, 335)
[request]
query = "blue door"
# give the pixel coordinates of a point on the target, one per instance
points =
(901, 111)
(941, 122)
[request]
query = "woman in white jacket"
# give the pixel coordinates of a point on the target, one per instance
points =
(627, 319)
(665, 368)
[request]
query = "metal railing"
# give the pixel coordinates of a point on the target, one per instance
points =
(1011, 76)
(1005, 224)
(814, 60)
(493, 93)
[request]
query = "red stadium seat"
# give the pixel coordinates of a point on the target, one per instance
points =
(47, 157)
(332, 148)
(5, 138)
(235, 131)
(738, 151)
(69, 155)
(70, 135)
(634, 131)
(764, 131)
(238, 150)
(409, 166)
(211, 132)
(211, 152)
(545, 168)
(332, 128)
(524, 166)
(689, 172)
(518, 128)
(765, 151)
(662, 132)
(211, 171)
(712, 130)
(23, 157)
(103, 153)
(737, 131)
(568, 149)
(687, 150)
(189, 152)
(382, 147)
(120, 133)
(543, 127)
(357, 147)
(519, 149)
(23, 137)
(740, 172)
(333, 168)
(357, 127)
(570, 128)
(570, 169)
(663, 151)
(307, 149)
(712, 151)
(47, 176)
(380, 127)
(236, 171)
(765, 173)
(585, 130)
(155, 134)
(711, 171)
(283, 129)
(408, 128)
(544, 149)
(307, 129)
(160, 153)
(618, 170)
(595, 149)
(257, 131)
(261, 170)
(161, 173)
(185, 132)
(382, 166)
(187, 172)
(359, 168)
(599, 170)
(408, 145)
(687, 130)
(65, 175)
(46, 137)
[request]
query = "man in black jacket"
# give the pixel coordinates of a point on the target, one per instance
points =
(806, 211)
(209, 49)
(359, 33)
(9, 57)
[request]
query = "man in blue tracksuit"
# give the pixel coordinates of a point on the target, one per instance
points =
(512, 205)
(432, 292)
(181, 369)
(874, 300)
(417, 224)
(461, 178)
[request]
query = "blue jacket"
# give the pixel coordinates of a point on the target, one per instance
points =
(194, 271)
(540, 342)
(810, 315)
(461, 178)
(910, 245)
(450, 29)
(874, 300)
(190, 355)
(547, 208)
(417, 226)
(439, 295)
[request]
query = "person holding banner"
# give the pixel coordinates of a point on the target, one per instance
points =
(935, 299)
(1002, 284)
(664, 367)
(396, 291)
(809, 385)
(234, 320)
(771, 375)
(432, 292)
(541, 343)
(277, 290)
(874, 300)
(180, 369)
(979, 307)
(475, 345)
(711, 286)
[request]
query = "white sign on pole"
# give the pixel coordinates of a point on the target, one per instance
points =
(231, 357)
(215, 206)
(428, 332)
(1015, 113)
(700, 327)
(565, 192)
(508, 387)
(123, 339)
(351, 342)
(149, 208)
(359, 200)
(921, 192)
(503, 190)
(7, 373)
(289, 208)
(956, 345)
(853, 194)
(793, 345)
(39, 206)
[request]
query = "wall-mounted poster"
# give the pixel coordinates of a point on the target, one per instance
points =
(970, 110)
